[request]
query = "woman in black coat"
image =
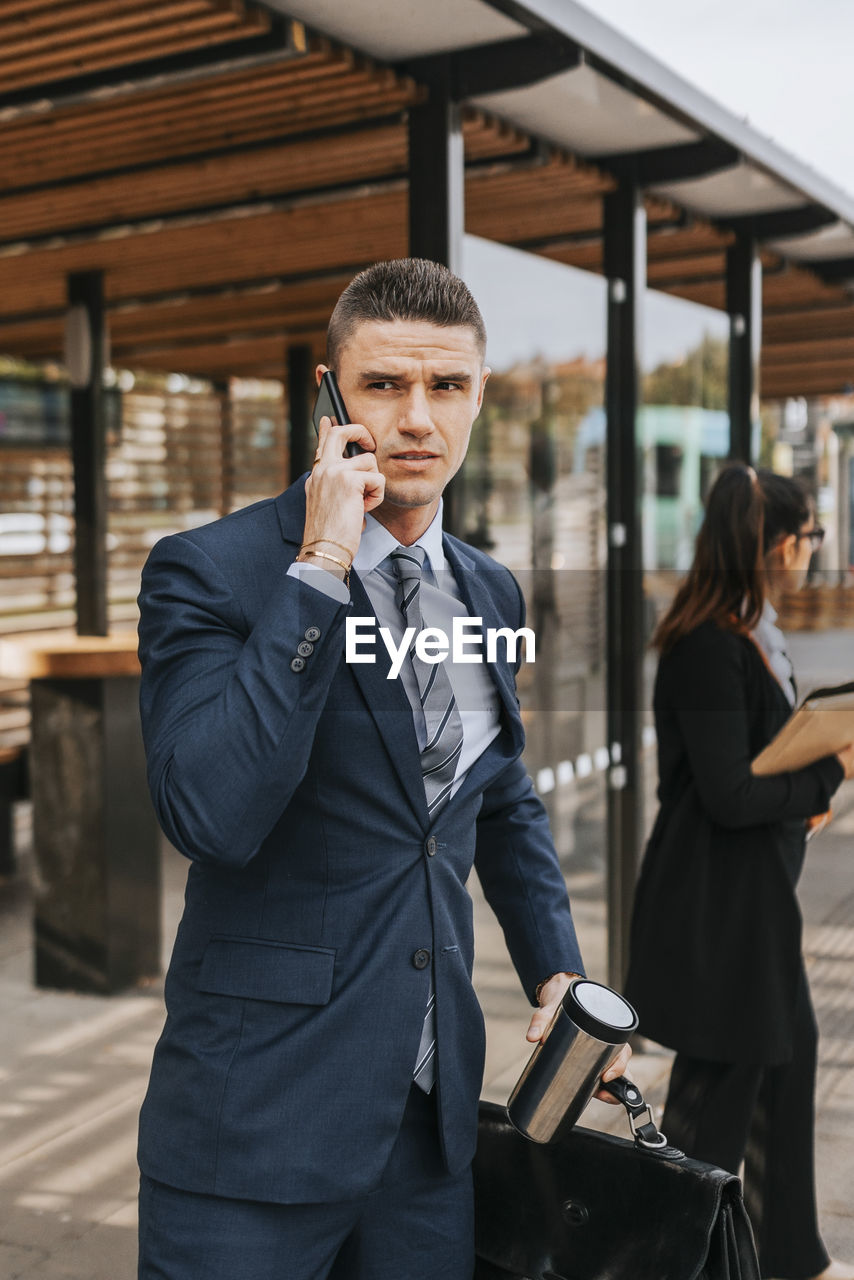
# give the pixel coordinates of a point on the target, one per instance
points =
(716, 971)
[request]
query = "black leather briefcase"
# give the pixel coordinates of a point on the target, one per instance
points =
(595, 1207)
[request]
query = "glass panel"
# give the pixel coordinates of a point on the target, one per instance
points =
(683, 426)
(532, 494)
(814, 441)
(179, 453)
(683, 435)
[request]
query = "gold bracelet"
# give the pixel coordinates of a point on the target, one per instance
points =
(332, 543)
(321, 555)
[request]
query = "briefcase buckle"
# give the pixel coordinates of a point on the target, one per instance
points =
(644, 1131)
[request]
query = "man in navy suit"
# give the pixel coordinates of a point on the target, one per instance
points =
(312, 1109)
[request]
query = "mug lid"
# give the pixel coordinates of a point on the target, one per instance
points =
(599, 1011)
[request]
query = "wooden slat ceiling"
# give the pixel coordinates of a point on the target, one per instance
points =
(228, 210)
(177, 136)
(800, 314)
(43, 41)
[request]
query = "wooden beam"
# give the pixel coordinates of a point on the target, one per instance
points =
(831, 380)
(241, 177)
(286, 98)
(800, 354)
(815, 322)
(507, 207)
(662, 272)
(312, 238)
(133, 47)
(259, 358)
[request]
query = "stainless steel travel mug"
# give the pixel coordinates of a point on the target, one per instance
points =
(592, 1022)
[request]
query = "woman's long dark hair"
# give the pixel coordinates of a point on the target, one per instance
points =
(747, 512)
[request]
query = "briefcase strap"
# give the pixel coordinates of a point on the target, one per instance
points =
(644, 1130)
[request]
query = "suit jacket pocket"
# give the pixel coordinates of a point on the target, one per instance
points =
(256, 969)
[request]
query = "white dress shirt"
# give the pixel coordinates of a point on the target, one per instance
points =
(772, 642)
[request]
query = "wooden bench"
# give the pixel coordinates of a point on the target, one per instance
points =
(96, 843)
(32, 630)
(62, 654)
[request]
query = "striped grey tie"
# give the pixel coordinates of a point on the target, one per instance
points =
(439, 755)
(441, 752)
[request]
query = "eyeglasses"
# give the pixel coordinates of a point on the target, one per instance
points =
(815, 535)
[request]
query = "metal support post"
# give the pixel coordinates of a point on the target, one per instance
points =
(85, 330)
(437, 174)
(437, 200)
(744, 305)
(625, 270)
(226, 436)
(300, 383)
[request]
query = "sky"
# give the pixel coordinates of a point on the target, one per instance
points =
(784, 66)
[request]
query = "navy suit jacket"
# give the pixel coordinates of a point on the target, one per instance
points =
(294, 997)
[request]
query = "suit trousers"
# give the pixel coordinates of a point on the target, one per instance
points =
(726, 1113)
(418, 1224)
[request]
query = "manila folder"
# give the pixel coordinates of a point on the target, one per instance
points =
(821, 726)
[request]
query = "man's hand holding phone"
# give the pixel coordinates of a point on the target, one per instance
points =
(339, 491)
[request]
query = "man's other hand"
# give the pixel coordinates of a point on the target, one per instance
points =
(551, 994)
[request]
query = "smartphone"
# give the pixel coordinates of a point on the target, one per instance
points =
(329, 404)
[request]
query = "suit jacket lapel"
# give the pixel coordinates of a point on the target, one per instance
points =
(386, 699)
(389, 706)
(475, 594)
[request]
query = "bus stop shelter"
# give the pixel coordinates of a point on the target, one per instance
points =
(187, 185)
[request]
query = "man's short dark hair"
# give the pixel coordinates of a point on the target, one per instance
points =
(403, 289)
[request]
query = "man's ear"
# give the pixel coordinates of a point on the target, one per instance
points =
(483, 377)
(319, 372)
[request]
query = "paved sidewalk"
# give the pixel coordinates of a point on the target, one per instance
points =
(73, 1068)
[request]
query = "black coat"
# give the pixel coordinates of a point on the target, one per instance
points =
(716, 930)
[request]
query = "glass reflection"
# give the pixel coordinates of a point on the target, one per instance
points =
(532, 494)
(683, 436)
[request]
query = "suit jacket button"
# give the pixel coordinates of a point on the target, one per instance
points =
(312, 633)
(297, 664)
(305, 649)
(421, 959)
(431, 847)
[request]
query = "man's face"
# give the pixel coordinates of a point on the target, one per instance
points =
(418, 388)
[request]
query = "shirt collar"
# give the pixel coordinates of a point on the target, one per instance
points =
(377, 544)
(767, 627)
